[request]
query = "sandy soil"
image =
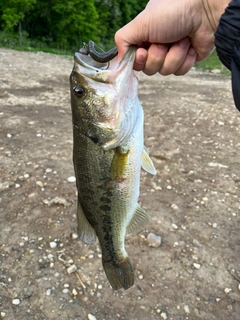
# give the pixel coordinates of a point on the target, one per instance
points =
(192, 132)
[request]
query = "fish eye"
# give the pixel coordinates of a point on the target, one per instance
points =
(79, 92)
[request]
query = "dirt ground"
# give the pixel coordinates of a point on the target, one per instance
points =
(192, 132)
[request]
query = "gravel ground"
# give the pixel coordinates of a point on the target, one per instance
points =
(187, 262)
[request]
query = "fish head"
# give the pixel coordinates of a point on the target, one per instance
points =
(103, 97)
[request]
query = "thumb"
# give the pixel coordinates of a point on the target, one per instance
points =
(132, 33)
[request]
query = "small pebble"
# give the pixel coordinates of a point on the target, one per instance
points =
(74, 292)
(16, 302)
(53, 244)
(164, 315)
(140, 277)
(196, 265)
(239, 286)
(39, 184)
(197, 312)
(174, 226)
(3, 314)
(186, 309)
(26, 175)
(48, 170)
(70, 261)
(154, 240)
(227, 290)
(74, 236)
(65, 290)
(17, 185)
(48, 292)
(214, 225)
(91, 317)
(71, 269)
(71, 179)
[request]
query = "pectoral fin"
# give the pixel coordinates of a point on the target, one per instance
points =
(147, 163)
(138, 222)
(119, 163)
(85, 230)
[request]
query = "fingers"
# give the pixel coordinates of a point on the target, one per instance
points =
(177, 60)
(175, 57)
(188, 63)
(140, 59)
(155, 58)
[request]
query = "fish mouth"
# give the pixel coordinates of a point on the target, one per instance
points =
(88, 62)
(103, 72)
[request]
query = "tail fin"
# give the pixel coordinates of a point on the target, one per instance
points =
(120, 273)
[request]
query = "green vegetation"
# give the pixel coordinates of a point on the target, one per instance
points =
(212, 63)
(63, 24)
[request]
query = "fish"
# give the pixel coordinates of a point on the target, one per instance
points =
(108, 153)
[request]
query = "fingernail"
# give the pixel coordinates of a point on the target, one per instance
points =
(191, 51)
(184, 42)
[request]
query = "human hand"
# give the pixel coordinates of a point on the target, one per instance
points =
(172, 35)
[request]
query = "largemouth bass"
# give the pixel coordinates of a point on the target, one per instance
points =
(108, 153)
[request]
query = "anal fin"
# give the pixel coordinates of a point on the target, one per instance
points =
(85, 230)
(138, 221)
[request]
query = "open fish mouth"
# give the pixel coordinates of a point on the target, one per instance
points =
(96, 55)
(88, 56)
(88, 62)
(102, 71)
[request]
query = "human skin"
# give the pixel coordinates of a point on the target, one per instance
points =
(172, 35)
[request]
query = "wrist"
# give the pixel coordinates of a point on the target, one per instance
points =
(214, 9)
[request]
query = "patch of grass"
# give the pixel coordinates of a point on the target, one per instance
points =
(42, 49)
(12, 41)
(212, 62)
